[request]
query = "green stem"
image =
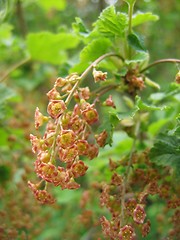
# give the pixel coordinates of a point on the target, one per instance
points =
(127, 174)
(130, 14)
(13, 68)
(166, 60)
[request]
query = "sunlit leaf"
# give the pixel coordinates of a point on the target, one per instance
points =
(140, 18)
(91, 52)
(55, 4)
(112, 23)
(49, 47)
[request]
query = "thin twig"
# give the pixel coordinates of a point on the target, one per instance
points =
(13, 68)
(166, 60)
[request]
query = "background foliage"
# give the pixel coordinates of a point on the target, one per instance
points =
(29, 66)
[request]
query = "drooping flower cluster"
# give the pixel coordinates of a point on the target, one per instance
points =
(67, 139)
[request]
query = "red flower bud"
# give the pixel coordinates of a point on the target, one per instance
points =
(109, 102)
(53, 94)
(99, 75)
(101, 138)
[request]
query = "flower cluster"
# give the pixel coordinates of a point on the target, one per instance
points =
(68, 137)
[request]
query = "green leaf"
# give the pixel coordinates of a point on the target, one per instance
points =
(112, 23)
(155, 127)
(166, 152)
(140, 18)
(48, 5)
(5, 173)
(5, 31)
(49, 47)
(91, 52)
(171, 92)
(6, 94)
(135, 42)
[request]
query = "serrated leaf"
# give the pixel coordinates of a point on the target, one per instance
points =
(171, 92)
(140, 18)
(143, 106)
(48, 5)
(80, 28)
(135, 42)
(138, 57)
(91, 52)
(112, 23)
(166, 152)
(110, 121)
(49, 47)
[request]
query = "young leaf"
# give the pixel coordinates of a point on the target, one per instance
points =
(138, 57)
(143, 106)
(111, 23)
(140, 18)
(91, 52)
(49, 47)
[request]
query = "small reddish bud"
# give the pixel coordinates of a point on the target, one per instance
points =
(93, 151)
(72, 184)
(56, 108)
(36, 143)
(101, 138)
(60, 82)
(109, 102)
(53, 94)
(116, 179)
(106, 226)
(146, 227)
(99, 75)
(39, 119)
(82, 93)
